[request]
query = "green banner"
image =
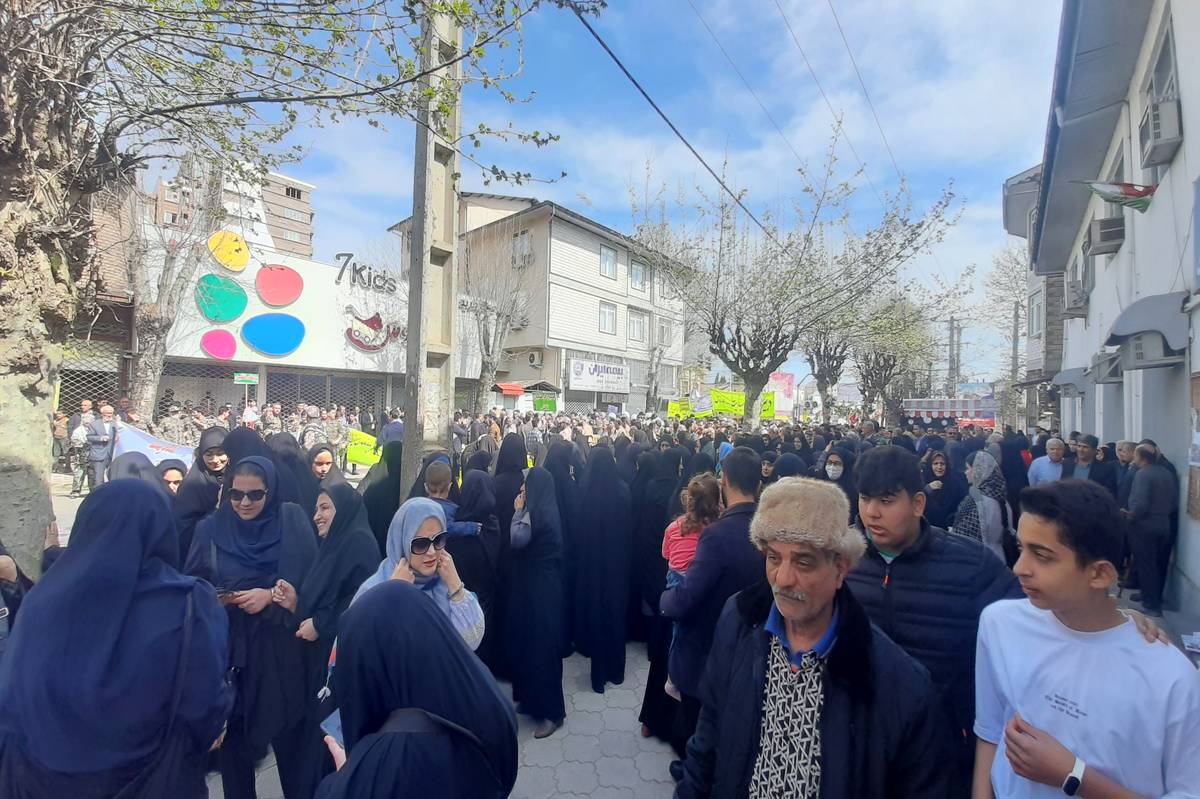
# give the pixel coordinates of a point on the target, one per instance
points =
(768, 406)
(678, 409)
(361, 448)
(728, 403)
(545, 401)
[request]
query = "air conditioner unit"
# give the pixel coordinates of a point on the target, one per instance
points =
(536, 359)
(1075, 300)
(1148, 350)
(1104, 236)
(1160, 132)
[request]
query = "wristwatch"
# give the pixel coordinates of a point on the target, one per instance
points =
(1071, 784)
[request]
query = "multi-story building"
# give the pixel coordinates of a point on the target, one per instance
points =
(1126, 93)
(596, 319)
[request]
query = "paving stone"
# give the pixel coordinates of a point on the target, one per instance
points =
(619, 744)
(584, 723)
(653, 767)
(546, 752)
(577, 777)
(617, 772)
(623, 697)
(654, 790)
(535, 782)
(620, 719)
(610, 792)
(587, 700)
(581, 748)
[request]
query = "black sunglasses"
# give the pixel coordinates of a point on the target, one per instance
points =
(255, 496)
(421, 545)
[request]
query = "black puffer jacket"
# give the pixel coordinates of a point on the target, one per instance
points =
(882, 733)
(928, 600)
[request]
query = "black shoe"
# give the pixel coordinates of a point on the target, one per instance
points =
(676, 769)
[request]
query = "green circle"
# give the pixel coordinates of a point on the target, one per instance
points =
(219, 298)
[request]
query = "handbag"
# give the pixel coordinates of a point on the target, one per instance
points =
(520, 532)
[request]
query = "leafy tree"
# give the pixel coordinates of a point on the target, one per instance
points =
(91, 90)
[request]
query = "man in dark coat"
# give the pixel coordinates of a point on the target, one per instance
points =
(1154, 496)
(925, 588)
(102, 442)
(725, 563)
(1085, 465)
(803, 696)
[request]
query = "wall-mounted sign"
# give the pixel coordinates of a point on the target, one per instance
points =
(363, 276)
(245, 378)
(370, 333)
(596, 376)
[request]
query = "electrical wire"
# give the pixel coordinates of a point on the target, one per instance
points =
(887, 146)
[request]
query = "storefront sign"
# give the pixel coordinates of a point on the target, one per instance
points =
(363, 276)
(596, 376)
(245, 378)
(545, 401)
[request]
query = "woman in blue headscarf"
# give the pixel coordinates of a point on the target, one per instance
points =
(252, 541)
(417, 554)
(114, 682)
(421, 716)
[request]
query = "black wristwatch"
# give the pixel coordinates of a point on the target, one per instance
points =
(1071, 784)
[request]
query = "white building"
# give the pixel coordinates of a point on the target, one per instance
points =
(1126, 95)
(596, 313)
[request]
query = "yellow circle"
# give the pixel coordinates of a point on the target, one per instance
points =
(230, 250)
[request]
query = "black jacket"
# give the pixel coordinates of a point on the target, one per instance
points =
(1101, 472)
(882, 734)
(725, 563)
(928, 601)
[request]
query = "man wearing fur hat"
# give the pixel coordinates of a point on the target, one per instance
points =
(803, 697)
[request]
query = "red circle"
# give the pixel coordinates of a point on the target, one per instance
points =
(278, 285)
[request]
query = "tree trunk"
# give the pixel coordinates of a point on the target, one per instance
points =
(754, 388)
(652, 380)
(826, 403)
(148, 366)
(487, 379)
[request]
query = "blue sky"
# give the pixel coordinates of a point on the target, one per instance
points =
(961, 87)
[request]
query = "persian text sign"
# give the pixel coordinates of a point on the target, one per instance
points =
(728, 403)
(596, 376)
(361, 448)
(677, 409)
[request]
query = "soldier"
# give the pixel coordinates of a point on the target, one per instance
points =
(297, 420)
(173, 427)
(272, 419)
(314, 430)
(337, 432)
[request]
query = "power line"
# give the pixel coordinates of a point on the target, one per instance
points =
(866, 94)
(676, 130)
(745, 82)
(825, 97)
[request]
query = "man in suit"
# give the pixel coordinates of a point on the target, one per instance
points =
(1153, 499)
(1085, 466)
(102, 440)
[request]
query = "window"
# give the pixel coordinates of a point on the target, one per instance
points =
(664, 333)
(637, 326)
(170, 217)
(1162, 85)
(637, 275)
(608, 318)
(292, 235)
(1086, 271)
(172, 195)
(294, 214)
(522, 249)
(1036, 313)
(293, 192)
(608, 263)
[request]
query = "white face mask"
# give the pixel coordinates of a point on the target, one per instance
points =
(834, 470)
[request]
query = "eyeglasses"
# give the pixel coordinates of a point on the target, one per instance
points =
(421, 545)
(256, 495)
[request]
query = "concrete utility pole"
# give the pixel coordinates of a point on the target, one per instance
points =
(1013, 365)
(433, 244)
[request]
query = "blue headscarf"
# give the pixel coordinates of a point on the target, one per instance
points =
(87, 683)
(253, 546)
(401, 532)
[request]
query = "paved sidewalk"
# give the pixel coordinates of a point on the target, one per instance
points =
(599, 752)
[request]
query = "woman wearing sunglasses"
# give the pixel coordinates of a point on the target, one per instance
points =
(253, 540)
(416, 553)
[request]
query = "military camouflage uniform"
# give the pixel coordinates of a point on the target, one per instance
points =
(175, 429)
(312, 434)
(271, 423)
(295, 424)
(337, 433)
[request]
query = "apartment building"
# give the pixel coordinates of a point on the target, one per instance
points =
(1126, 97)
(598, 319)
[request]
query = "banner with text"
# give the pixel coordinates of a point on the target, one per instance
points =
(361, 448)
(678, 409)
(596, 376)
(131, 439)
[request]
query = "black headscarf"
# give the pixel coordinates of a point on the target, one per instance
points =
(293, 466)
(381, 492)
(510, 464)
(542, 504)
(789, 464)
(904, 442)
(478, 497)
(136, 466)
(397, 650)
(87, 683)
(334, 476)
(942, 503)
(481, 460)
(346, 556)
(650, 521)
(513, 456)
(697, 464)
(418, 486)
(627, 463)
(846, 480)
(198, 493)
(172, 463)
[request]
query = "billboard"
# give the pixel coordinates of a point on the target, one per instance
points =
(596, 376)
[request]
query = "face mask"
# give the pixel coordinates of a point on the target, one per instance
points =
(834, 470)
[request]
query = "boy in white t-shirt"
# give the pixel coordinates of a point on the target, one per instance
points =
(1069, 698)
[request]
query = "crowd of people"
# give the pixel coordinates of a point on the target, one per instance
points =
(827, 611)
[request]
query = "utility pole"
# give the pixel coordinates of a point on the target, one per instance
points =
(951, 373)
(433, 246)
(1013, 363)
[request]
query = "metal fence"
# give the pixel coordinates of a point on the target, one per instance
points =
(93, 360)
(207, 385)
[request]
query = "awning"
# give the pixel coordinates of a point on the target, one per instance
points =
(539, 385)
(1162, 313)
(1072, 377)
(509, 389)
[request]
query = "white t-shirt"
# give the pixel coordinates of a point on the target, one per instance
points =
(1128, 708)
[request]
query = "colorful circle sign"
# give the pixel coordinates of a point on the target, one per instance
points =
(230, 250)
(273, 333)
(278, 285)
(219, 344)
(219, 298)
